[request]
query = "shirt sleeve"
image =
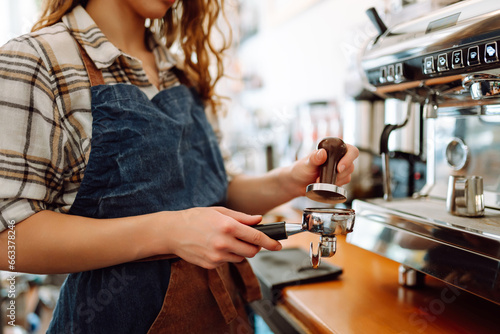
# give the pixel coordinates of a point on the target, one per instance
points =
(30, 176)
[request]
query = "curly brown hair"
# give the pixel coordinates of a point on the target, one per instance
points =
(190, 27)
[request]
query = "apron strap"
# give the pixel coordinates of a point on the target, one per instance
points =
(95, 74)
(249, 285)
(221, 293)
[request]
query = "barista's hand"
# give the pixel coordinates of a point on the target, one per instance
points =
(209, 237)
(306, 170)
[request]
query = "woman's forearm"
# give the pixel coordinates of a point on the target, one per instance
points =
(259, 194)
(50, 242)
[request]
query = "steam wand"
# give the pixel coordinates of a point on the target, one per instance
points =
(384, 149)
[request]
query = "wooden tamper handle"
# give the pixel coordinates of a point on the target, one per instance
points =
(326, 191)
(335, 150)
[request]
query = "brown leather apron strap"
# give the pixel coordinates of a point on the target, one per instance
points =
(95, 74)
(249, 286)
(221, 293)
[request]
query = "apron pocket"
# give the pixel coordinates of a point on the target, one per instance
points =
(200, 301)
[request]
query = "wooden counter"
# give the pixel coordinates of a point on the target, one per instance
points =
(367, 298)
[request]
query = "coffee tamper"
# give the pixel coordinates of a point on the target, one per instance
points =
(326, 191)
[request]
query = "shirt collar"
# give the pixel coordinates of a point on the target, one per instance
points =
(165, 60)
(102, 52)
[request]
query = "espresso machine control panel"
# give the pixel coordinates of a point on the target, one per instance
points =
(455, 61)
(453, 41)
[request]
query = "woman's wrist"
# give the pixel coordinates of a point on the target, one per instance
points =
(155, 239)
(287, 182)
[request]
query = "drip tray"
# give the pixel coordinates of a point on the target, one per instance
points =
(288, 267)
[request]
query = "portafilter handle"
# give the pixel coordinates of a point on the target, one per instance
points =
(279, 230)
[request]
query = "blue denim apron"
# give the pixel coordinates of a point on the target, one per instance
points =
(147, 156)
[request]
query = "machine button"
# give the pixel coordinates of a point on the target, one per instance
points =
(457, 60)
(429, 65)
(491, 52)
(383, 75)
(442, 62)
(398, 72)
(390, 73)
(473, 56)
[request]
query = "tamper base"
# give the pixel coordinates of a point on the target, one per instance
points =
(326, 193)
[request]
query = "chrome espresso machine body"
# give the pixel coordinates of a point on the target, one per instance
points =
(448, 63)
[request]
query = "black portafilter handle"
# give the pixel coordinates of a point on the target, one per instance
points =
(335, 149)
(276, 231)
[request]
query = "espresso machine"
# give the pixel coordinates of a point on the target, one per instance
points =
(446, 62)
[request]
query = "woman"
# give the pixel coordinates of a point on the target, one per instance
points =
(111, 170)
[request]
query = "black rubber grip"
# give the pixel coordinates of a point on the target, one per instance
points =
(276, 231)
